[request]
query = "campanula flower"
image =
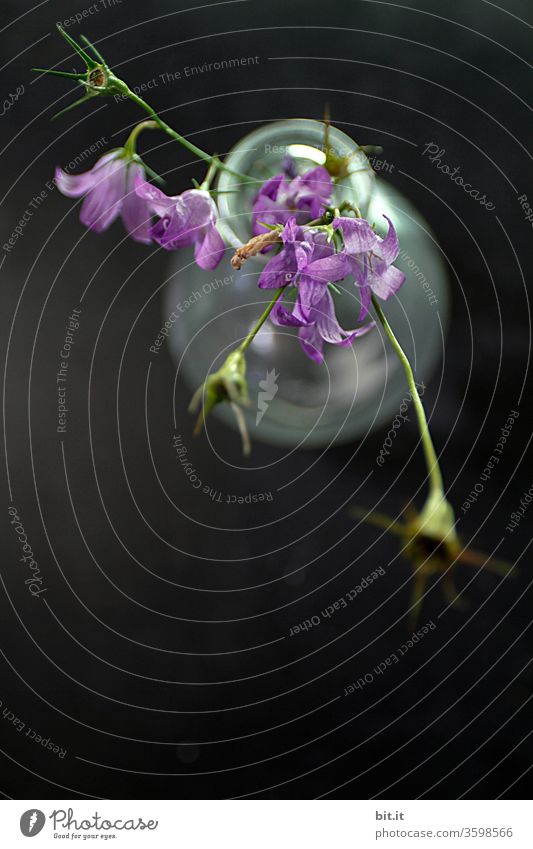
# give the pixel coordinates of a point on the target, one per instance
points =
(304, 198)
(109, 191)
(432, 549)
(370, 258)
(228, 384)
(186, 219)
(309, 261)
(317, 324)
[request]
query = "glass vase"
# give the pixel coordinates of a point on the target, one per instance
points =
(293, 401)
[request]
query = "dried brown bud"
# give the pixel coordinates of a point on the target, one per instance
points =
(253, 247)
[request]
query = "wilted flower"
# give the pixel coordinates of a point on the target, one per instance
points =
(370, 259)
(317, 324)
(109, 191)
(97, 80)
(308, 260)
(304, 198)
(431, 545)
(186, 219)
(226, 384)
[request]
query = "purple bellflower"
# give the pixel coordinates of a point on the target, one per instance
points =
(109, 191)
(186, 219)
(309, 261)
(370, 259)
(304, 198)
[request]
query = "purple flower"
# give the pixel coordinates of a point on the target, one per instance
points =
(109, 192)
(370, 259)
(303, 198)
(317, 323)
(309, 261)
(186, 219)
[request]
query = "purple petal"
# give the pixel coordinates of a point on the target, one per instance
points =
(330, 329)
(160, 203)
(271, 187)
(103, 202)
(267, 211)
(312, 343)
(365, 295)
(136, 213)
(315, 183)
(282, 317)
(199, 207)
(185, 223)
(331, 268)
(210, 250)
(359, 236)
(279, 271)
(76, 185)
(389, 247)
(326, 321)
(310, 294)
(385, 281)
(289, 166)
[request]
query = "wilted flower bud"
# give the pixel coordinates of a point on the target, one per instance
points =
(431, 545)
(97, 79)
(226, 384)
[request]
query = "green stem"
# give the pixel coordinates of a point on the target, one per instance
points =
(253, 333)
(432, 463)
(132, 138)
(182, 140)
(206, 182)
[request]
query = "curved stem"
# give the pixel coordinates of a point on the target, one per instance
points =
(131, 142)
(432, 463)
(182, 140)
(255, 330)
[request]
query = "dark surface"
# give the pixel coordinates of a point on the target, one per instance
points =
(160, 631)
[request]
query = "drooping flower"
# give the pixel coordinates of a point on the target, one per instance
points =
(309, 261)
(433, 549)
(304, 198)
(186, 219)
(228, 384)
(109, 191)
(317, 323)
(370, 259)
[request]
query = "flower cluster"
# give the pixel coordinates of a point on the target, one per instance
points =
(116, 185)
(315, 256)
(304, 197)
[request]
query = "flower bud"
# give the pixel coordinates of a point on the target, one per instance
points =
(226, 384)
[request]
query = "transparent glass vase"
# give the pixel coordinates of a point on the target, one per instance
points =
(357, 389)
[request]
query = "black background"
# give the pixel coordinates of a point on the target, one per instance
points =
(161, 660)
